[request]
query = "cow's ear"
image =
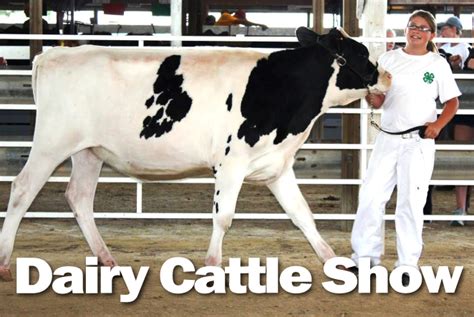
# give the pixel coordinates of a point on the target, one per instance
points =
(306, 37)
(333, 39)
(335, 32)
(338, 33)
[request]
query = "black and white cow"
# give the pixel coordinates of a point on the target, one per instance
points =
(158, 114)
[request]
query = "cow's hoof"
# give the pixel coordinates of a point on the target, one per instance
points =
(108, 262)
(324, 251)
(212, 261)
(5, 274)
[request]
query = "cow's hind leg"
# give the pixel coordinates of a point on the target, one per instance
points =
(290, 198)
(80, 196)
(24, 189)
(228, 184)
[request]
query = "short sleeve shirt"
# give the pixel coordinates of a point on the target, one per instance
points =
(461, 49)
(417, 81)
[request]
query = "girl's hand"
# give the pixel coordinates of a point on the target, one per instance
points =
(432, 130)
(375, 100)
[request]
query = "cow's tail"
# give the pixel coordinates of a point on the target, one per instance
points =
(35, 76)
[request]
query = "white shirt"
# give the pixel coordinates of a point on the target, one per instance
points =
(461, 49)
(417, 81)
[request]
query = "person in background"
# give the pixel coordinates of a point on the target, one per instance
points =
(210, 20)
(452, 28)
(469, 64)
(419, 77)
(458, 55)
(464, 131)
(26, 24)
(238, 18)
(3, 62)
(390, 45)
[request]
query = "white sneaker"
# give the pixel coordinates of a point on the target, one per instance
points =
(458, 223)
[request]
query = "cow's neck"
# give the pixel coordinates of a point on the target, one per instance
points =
(285, 93)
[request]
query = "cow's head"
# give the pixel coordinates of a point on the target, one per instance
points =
(357, 73)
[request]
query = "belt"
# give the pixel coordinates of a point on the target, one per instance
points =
(410, 135)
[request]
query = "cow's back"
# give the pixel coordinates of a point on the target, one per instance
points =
(114, 99)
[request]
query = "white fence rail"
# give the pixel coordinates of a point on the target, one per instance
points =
(363, 147)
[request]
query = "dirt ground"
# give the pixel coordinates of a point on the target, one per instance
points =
(152, 242)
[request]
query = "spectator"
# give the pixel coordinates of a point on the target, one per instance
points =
(210, 20)
(452, 28)
(390, 45)
(464, 131)
(458, 55)
(239, 17)
(3, 62)
(469, 64)
(26, 24)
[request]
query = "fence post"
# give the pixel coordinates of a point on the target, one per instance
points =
(176, 20)
(36, 27)
(350, 131)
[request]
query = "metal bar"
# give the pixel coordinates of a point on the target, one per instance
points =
(364, 140)
(307, 146)
(208, 216)
(362, 111)
(157, 37)
(11, 72)
(240, 38)
(127, 180)
(139, 198)
(299, 181)
(23, 72)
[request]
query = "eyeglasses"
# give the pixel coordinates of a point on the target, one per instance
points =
(413, 27)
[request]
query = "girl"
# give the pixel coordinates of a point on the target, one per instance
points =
(419, 77)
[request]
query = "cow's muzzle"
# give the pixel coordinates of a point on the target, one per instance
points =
(384, 81)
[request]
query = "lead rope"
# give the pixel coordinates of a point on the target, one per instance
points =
(372, 120)
(421, 128)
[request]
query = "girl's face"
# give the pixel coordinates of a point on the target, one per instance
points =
(418, 32)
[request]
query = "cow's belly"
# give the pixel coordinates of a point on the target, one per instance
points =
(151, 170)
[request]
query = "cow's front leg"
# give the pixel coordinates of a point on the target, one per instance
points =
(292, 201)
(228, 183)
(25, 187)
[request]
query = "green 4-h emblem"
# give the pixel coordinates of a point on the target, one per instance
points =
(428, 77)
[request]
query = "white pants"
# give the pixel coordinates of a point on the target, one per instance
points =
(407, 163)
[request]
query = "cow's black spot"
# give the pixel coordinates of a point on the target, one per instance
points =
(217, 208)
(284, 92)
(163, 98)
(169, 96)
(227, 149)
(228, 102)
(159, 114)
(147, 121)
(175, 108)
(150, 101)
(214, 171)
(218, 192)
(229, 138)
